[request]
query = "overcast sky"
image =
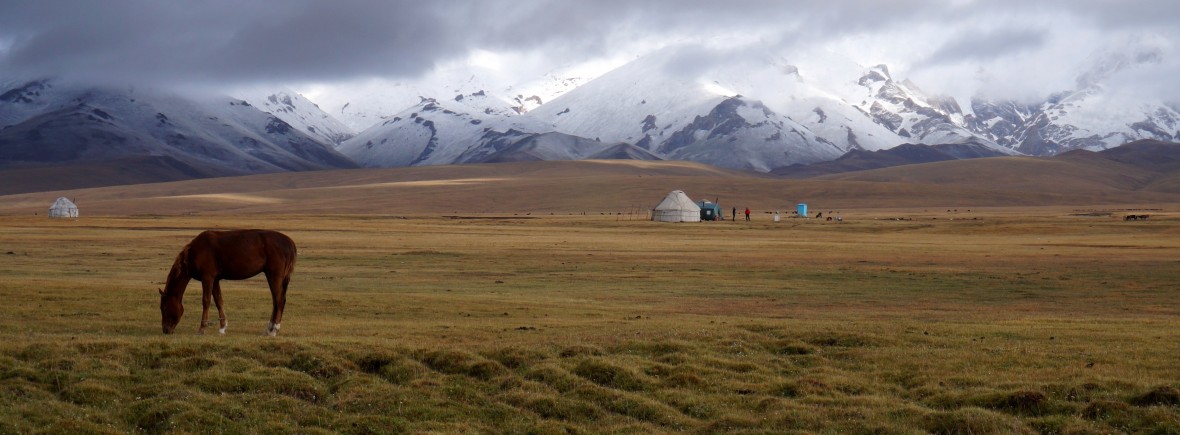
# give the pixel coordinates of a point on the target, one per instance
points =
(1000, 47)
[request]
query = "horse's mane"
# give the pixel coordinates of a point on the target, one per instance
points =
(180, 265)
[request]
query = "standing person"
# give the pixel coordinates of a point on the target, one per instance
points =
(747, 214)
(734, 214)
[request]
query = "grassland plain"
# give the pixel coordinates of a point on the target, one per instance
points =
(995, 321)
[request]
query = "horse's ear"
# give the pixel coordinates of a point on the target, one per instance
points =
(160, 290)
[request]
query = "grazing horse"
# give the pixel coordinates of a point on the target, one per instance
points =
(216, 255)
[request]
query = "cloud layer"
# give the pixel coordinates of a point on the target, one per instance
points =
(959, 47)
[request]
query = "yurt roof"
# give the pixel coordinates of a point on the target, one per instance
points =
(63, 202)
(677, 200)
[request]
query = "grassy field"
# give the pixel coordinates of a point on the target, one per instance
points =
(976, 322)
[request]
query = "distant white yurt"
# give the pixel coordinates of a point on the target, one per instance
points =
(63, 208)
(676, 207)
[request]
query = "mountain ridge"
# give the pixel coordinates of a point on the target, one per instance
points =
(804, 116)
(758, 112)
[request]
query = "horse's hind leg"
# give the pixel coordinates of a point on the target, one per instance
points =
(222, 321)
(278, 298)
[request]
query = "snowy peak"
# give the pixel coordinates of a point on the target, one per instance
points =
(438, 132)
(901, 107)
(876, 74)
(468, 88)
(648, 102)
(742, 134)
(302, 114)
(532, 95)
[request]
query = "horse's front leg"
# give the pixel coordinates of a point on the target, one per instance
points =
(206, 297)
(223, 322)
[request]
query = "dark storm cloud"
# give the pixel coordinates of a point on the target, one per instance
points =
(267, 41)
(273, 40)
(225, 40)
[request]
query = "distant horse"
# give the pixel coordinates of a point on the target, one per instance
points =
(1136, 217)
(216, 255)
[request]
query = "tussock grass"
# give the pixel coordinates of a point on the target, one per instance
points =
(611, 375)
(584, 325)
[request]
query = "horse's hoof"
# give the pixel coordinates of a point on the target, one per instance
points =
(221, 331)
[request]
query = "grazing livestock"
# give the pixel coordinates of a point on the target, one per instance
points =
(1136, 217)
(216, 255)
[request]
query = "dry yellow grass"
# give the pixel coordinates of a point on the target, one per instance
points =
(517, 298)
(990, 320)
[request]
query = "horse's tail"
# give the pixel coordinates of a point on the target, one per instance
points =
(293, 250)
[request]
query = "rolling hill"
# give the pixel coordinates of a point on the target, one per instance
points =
(904, 154)
(1132, 168)
(621, 186)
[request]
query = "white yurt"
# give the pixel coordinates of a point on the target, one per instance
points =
(63, 208)
(676, 207)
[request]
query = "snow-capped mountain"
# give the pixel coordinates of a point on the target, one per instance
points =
(645, 103)
(50, 122)
(1089, 119)
(674, 115)
(301, 113)
(756, 114)
(749, 110)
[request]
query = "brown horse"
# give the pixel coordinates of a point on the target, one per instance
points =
(216, 255)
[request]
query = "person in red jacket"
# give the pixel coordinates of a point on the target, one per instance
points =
(747, 213)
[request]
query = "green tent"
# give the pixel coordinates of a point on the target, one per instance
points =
(710, 211)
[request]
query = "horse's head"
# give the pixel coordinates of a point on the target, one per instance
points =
(170, 311)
